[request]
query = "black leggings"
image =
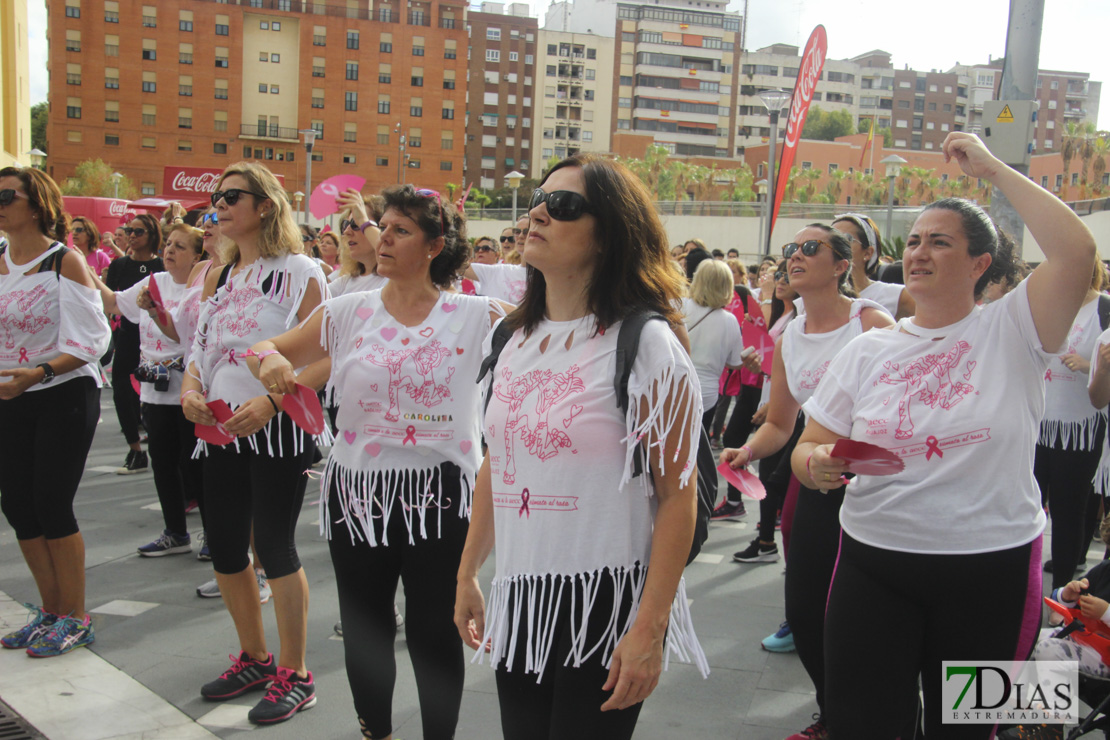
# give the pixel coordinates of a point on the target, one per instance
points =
(1065, 478)
(123, 395)
(45, 436)
(774, 474)
(893, 617)
(814, 541)
(176, 475)
(366, 578)
(566, 702)
(245, 489)
(740, 425)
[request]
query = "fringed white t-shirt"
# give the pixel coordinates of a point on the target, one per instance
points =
(1102, 476)
(567, 511)
(344, 284)
(43, 315)
(1070, 421)
(258, 303)
(409, 403)
(155, 346)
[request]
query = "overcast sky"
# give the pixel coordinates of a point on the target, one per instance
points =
(924, 36)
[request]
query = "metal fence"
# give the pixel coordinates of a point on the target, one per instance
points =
(810, 211)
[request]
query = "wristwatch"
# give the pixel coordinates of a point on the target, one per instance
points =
(47, 373)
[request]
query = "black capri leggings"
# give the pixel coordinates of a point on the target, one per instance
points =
(244, 489)
(124, 396)
(366, 578)
(176, 475)
(46, 435)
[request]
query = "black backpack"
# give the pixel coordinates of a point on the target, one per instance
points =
(628, 343)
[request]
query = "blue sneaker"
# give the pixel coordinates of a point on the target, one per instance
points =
(780, 642)
(167, 543)
(66, 634)
(203, 553)
(39, 625)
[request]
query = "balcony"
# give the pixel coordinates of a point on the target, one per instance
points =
(262, 131)
(1075, 112)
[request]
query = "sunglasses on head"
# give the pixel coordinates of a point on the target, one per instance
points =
(424, 192)
(8, 195)
(231, 195)
(134, 232)
(562, 205)
(809, 248)
(209, 218)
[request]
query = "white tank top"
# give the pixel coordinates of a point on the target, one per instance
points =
(806, 357)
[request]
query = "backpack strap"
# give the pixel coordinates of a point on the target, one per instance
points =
(53, 261)
(501, 336)
(628, 344)
(1104, 311)
(224, 273)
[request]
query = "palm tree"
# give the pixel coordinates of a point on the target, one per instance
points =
(1098, 166)
(1069, 148)
(835, 186)
(1086, 152)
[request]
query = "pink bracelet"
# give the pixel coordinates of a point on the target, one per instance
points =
(750, 456)
(260, 355)
(807, 466)
(182, 399)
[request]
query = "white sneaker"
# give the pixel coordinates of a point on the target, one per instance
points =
(209, 590)
(264, 591)
(397, 618)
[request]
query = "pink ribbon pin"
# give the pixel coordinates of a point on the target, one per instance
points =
(410, 435)
(23, 355)
(158, 346)
(932, 446)
(1048, 375)
(231, 357)
(524, 510)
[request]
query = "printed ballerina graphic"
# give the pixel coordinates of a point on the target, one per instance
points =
(917, 377)
(543, 440)
(424, 390)
(26, 321)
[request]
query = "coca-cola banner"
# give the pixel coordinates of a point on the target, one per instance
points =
(106, 213)
(813, 61)
(187, 182)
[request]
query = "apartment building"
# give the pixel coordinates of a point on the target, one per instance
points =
(676, 74)
(15, 88)
(575, 72)
(500, 89)
(202, 83)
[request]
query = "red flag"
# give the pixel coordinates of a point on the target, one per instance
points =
(813, 61)
(867, 144)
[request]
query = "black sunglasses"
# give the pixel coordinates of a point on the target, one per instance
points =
(8, 195)
(780, 275)
(506, 239)
(484, 248)
(562, 205)
(231, 195)
(79, 230)
(134, 232)
(809, 248)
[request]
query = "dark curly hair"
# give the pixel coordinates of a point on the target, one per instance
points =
(45, 199)
(984, 237)
(436, 217)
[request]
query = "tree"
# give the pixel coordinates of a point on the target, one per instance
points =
(1098, 167)
(40, 112)
(1069, 148)
(93, 177)
(826, 126)
(886, 134)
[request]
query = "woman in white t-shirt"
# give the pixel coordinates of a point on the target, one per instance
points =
(395, 501)
(957, 392)
(818, 262)
(588, 594)
(53, 332)
(866, 246)
(715, 341)
(256, 482)
(358, 260)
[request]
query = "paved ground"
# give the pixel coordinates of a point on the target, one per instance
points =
(157, 642)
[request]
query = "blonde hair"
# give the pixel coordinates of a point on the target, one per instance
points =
(279, 234)
(1099, 277)
(738, 266)
(511, 258)
(712, 285)
(195, 236)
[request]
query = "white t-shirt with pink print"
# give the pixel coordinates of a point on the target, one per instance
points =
(409, 403)
(961, 406)
(1070, 422)
(1102, 476)
(153, 344)
(503, 281)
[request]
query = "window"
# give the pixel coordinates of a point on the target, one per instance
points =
(221, 89)
(150, 54)
(350, 132)
(149, 117)
(493, 34)
(319, 38)
(448, 113)
(385, 73)
(184, 53)
(223, 29)
(185, 26)
(417, 77)
(350, 100)
(149, 82)
(383, 134)
(319, 126)
(73, 75)
(449, 52)
(1059, 181)
(149, 21)
(73, 11)
(221, 57)
(448, 84)
(385, 47)
(185, 86)
(219, 147)
(263, 56)
(73, 108)
(275, 89)
(147, 188)
(513, 56)
(263, 87)
(111, 111)
(414, 164)
(184, 145)
(111, 139)
(383, 104)
(111, 13)
(73, 42)
(317, 97)
(352, 39)
(381, 161)
(493, 55)
(624, 102)
(415, 139)
(904, 104)
(276, 25)
(348, 159)
(219, 122)
(416, 107)
(264, 25)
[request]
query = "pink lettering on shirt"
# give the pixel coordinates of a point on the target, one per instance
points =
(534, 502)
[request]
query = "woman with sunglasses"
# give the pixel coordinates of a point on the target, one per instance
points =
(177, 477)
(867, 245)
(583, 543)
(957, 391)
(86, 240)
(358, 258)
(144, 235)
(818, 263)
(55, 331)
(255, 484)
(396, 493)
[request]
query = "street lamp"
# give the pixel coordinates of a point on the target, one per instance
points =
(761, 197)
(893, 165)
(38, 157)
(400, 152)
(116, 177)
(297, 198)
(309, 139)
(774, 100)
(513, 179)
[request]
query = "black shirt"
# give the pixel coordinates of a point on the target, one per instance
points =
(125, 272)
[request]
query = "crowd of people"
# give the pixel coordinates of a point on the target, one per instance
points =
(513, 395)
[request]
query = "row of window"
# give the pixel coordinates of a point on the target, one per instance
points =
(493, 33)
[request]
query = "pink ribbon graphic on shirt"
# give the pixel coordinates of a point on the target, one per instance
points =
(932, 446)
(23, 355)
(158, 346)
(524, 510)
(1048, 375)
(231, 357)
(410, 435)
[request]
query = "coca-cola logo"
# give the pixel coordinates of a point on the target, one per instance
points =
(117, 208)
(202, 183)
(813, 60)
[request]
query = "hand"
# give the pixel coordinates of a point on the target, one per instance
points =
(766, 284)
(736, 457)
(196, 410)
(1103, 366)
(277, 375)
(760, 414)
(971, 154)
(1076, 363)
(827, 472)
(1071, 591)
(470, 612)
(350, 200)
(753, 363)
(250, 417)
(144, 301)
(22, 378)
(1092, 606)
(634, 672)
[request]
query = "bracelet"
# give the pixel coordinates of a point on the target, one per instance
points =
(366, 225)
(807, 466)
(765, 303)
(273, 403)
(260, 355)
(182, 398)
(750, 455)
